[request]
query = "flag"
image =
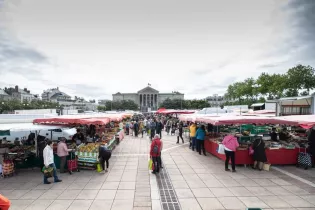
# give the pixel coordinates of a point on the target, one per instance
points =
(149, 84)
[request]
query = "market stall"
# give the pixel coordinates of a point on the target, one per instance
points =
(279, 153)
(105, 129)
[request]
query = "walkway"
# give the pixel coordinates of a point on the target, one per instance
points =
(189, 181)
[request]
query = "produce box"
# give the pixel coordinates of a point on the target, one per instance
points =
(90, 157)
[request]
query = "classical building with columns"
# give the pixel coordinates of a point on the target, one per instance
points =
(147, 98)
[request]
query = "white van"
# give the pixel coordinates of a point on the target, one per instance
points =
(53, 132)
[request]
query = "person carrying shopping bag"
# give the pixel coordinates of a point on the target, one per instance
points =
(48, 155)
(230, 145)
(155, 153)
(104, 155)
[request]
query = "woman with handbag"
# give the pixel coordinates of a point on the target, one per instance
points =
(259, 155)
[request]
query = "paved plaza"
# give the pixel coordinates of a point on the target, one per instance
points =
(189, 181)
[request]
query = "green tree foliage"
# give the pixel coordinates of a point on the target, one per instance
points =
(122, 105)
(11, 105)
(298, 80)
(184, 104)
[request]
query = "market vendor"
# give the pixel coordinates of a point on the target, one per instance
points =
(78, 138)
(284, 135)
(274, 135)
(63, 152)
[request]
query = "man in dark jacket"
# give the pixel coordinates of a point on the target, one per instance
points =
(152, 128)
(159, 127)
(136, 128)
(104, 155)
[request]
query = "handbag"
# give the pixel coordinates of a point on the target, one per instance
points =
(251, 149)
(220, 149)
(48, 172)
(304, 159)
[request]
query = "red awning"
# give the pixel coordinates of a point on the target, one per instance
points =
(64, 121)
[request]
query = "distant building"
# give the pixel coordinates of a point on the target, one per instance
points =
(148, 98)
(215, 100)
(55, 95)
(4, 96)
(19, 94)
(299, 105)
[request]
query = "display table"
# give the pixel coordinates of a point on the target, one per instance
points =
(274, 156)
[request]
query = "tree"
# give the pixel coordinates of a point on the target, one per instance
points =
(184, 104)
(300, 77)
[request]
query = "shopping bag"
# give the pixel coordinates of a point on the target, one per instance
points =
(150, 164)
(251, 150)
(48, 172)
(304, 160)
(220, 149)
(266, 166)
(99, 167)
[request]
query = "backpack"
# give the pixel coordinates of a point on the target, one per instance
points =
(156, 149)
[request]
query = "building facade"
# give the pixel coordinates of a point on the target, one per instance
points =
(4, 96)
(147, 98)
(54, 95)
(23, 95)
(215, 100)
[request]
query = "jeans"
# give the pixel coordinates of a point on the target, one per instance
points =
(228, 155)
(200, 145)
(193, 145)
(54, 174)
(160, 133)
(180, 135)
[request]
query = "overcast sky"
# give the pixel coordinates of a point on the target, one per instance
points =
(96, 48)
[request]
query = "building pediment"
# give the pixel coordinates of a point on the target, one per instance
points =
(148, 90)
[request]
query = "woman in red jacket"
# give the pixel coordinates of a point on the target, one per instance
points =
(155, 153)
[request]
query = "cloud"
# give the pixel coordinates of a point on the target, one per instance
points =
(302, 21)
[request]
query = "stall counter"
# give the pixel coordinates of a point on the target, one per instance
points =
(274, 156)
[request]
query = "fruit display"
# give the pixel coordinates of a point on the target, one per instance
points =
(92, 147)
(22, 149)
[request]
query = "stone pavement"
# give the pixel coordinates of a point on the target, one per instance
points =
(188, 181)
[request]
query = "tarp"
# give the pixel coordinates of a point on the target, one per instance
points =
(64, 121)
(228, 120)
(174, 111)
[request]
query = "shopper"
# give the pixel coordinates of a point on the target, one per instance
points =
(104, 155)
(48, 155)
(155, 153)
(311, 143)
(259, 155)
(230, 144)
(180, 133)
(63, 152)
(127, 127)
(192, 134)
(159, 128)
(136, 128)
(200, 139)
(152, 127)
